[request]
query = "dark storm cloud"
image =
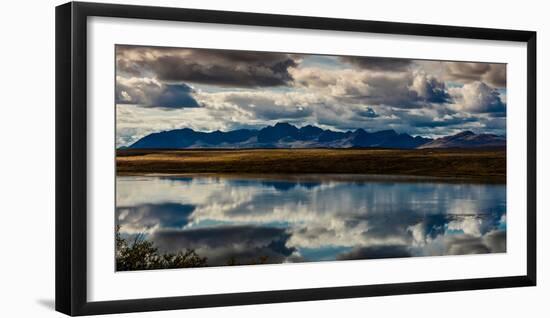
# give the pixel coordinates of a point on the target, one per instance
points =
(151, 93)
(496, 241)
(434, 91)
(378, 63)
(465, 244)
(176, 96)
(375, 252)
(497, 76)
(221, 244)
(468, 71)
(272, 112)
(213, 67)
(492, 242)
(494, 74)
(493, 103)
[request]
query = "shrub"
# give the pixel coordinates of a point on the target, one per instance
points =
(141, 254)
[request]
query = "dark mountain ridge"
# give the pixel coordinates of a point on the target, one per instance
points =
(285, 135)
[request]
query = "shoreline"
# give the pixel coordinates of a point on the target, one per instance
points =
(316, 177)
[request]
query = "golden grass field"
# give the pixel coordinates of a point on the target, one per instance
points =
(485, 165)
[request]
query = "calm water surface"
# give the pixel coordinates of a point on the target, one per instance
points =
(312, 218)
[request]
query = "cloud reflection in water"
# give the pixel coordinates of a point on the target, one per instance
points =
(312, 219)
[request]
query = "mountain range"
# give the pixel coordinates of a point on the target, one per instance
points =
(466, 139)
(285, 135)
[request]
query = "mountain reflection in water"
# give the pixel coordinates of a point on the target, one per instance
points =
(311, 218)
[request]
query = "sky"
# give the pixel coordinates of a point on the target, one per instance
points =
(161, 88)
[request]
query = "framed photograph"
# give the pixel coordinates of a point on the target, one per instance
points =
(208, 158)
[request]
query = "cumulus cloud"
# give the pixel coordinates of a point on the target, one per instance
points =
(222, 89)
(214, 67)
(494, 74)
(147, 217)
(400, 90)
(478, 97)
(233, 110)
(264, 105)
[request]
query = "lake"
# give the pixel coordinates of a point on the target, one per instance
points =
(278, 219)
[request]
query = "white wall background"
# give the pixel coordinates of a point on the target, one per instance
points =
(27, 158)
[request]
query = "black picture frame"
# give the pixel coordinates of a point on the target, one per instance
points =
(71, 157)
